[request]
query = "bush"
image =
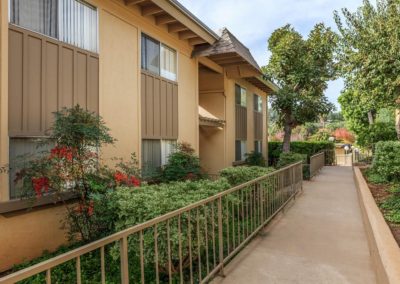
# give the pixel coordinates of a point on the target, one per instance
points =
(302, 147)
(239, 175)
(391, 206)
(386, 160)
(255, 159)
(286, 159)
(182, 165)
(379, 131)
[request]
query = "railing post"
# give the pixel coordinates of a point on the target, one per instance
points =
(124, 260)
(293, 182)
(220, 238)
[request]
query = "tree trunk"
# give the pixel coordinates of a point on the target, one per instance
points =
(398, 123)
(287, 129)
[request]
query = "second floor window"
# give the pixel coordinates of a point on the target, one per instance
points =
(70, 21)
(257, 103)
(158, 58)
(240, 96)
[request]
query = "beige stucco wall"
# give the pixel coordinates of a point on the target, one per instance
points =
(25, 235)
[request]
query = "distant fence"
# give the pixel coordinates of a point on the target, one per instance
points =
(189, 245)
(317, 162)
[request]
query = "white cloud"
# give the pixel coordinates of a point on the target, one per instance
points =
(253, 21)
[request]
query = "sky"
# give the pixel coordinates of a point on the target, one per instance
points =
(253, 21)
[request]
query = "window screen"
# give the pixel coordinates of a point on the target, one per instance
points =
(155, 154)
(150, 55)
(70, 21)
(21, 151)
(258, 146)
(168, 63)
(240, 96)
(257, 103)
(240, 150)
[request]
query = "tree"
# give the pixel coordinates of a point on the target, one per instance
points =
(301, 68)
(369, 54)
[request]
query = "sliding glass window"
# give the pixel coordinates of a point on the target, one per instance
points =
(71, 21)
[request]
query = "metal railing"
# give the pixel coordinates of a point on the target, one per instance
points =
(317, 162)
(189, 245)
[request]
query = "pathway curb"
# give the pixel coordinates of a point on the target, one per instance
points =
(384, 249)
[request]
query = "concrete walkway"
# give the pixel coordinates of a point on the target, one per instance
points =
(320, 239)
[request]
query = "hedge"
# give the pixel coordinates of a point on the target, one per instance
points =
(386, 162)
(300, 147)
(239, 175)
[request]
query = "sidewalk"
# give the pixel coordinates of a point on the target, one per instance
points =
(320, 239)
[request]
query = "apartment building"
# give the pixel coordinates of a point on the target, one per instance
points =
(150, 68)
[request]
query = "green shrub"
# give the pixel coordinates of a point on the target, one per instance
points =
(379, 131)
(302, 147)
(239, 175)
(255, 159)
(286, 159)
(374, 177)
(182, 165)
(391, 206)
(386, 160)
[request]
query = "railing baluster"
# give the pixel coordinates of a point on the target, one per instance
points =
(190, 247)
(156, 252)
(238, 218)
(198, 241)
(180, 248)
(141, 256)
(227, 223)
(213, 233)
(102, 266)
(242, 201)
(78, 270)
(48, 276)
(233, 225)
(206, 237)
(169, 252)
(220, 239)
(124, 260)
(247, 211)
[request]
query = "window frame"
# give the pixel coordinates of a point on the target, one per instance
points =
(161, 45)
(243, 96)
(60, 25)
(243, 146)
(258, 148)
(258, 107)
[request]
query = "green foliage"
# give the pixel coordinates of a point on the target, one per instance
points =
(240, 175)
(306, 148)
(255, 159)
(183, 164)
(301, 68)
(321, 135)
(379, 131)
(391, 205)
(386, 160)
(286, 159)
(368, 53)
(374, 177)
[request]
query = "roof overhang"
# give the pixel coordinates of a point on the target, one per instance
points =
(263, 84)
(177, 18)
(209, 120)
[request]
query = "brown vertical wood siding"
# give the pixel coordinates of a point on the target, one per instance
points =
(258, 125)
(159, 107)
(46, 75)
(241, 122)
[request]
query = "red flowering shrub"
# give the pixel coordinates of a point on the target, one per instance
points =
(40, 184)
(124, 179)
(342, 134)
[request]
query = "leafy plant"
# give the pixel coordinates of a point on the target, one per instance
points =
(255, 159)
(286, 159)
(386, 160)
(239, 175)
(182, 164)
(321, 135)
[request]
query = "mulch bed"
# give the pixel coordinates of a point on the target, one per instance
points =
(380, 193)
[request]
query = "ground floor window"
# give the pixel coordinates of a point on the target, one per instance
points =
(258, 146)
(155, 154)
(240, 150)
(21, 151)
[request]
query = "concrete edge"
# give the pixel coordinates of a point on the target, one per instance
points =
(384, 249)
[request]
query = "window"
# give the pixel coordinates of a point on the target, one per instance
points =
(70, 21)
(240, 95)
(257, 103)
(155, 154)
(158, 58)
(240, 150)
(22, 150)
(258, 146)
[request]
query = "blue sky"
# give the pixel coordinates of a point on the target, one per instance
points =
(253, 21)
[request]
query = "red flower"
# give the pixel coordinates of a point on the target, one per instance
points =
(134, 181)
(120, 177)
(40, 184)
(190, 176)
(62, 153)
